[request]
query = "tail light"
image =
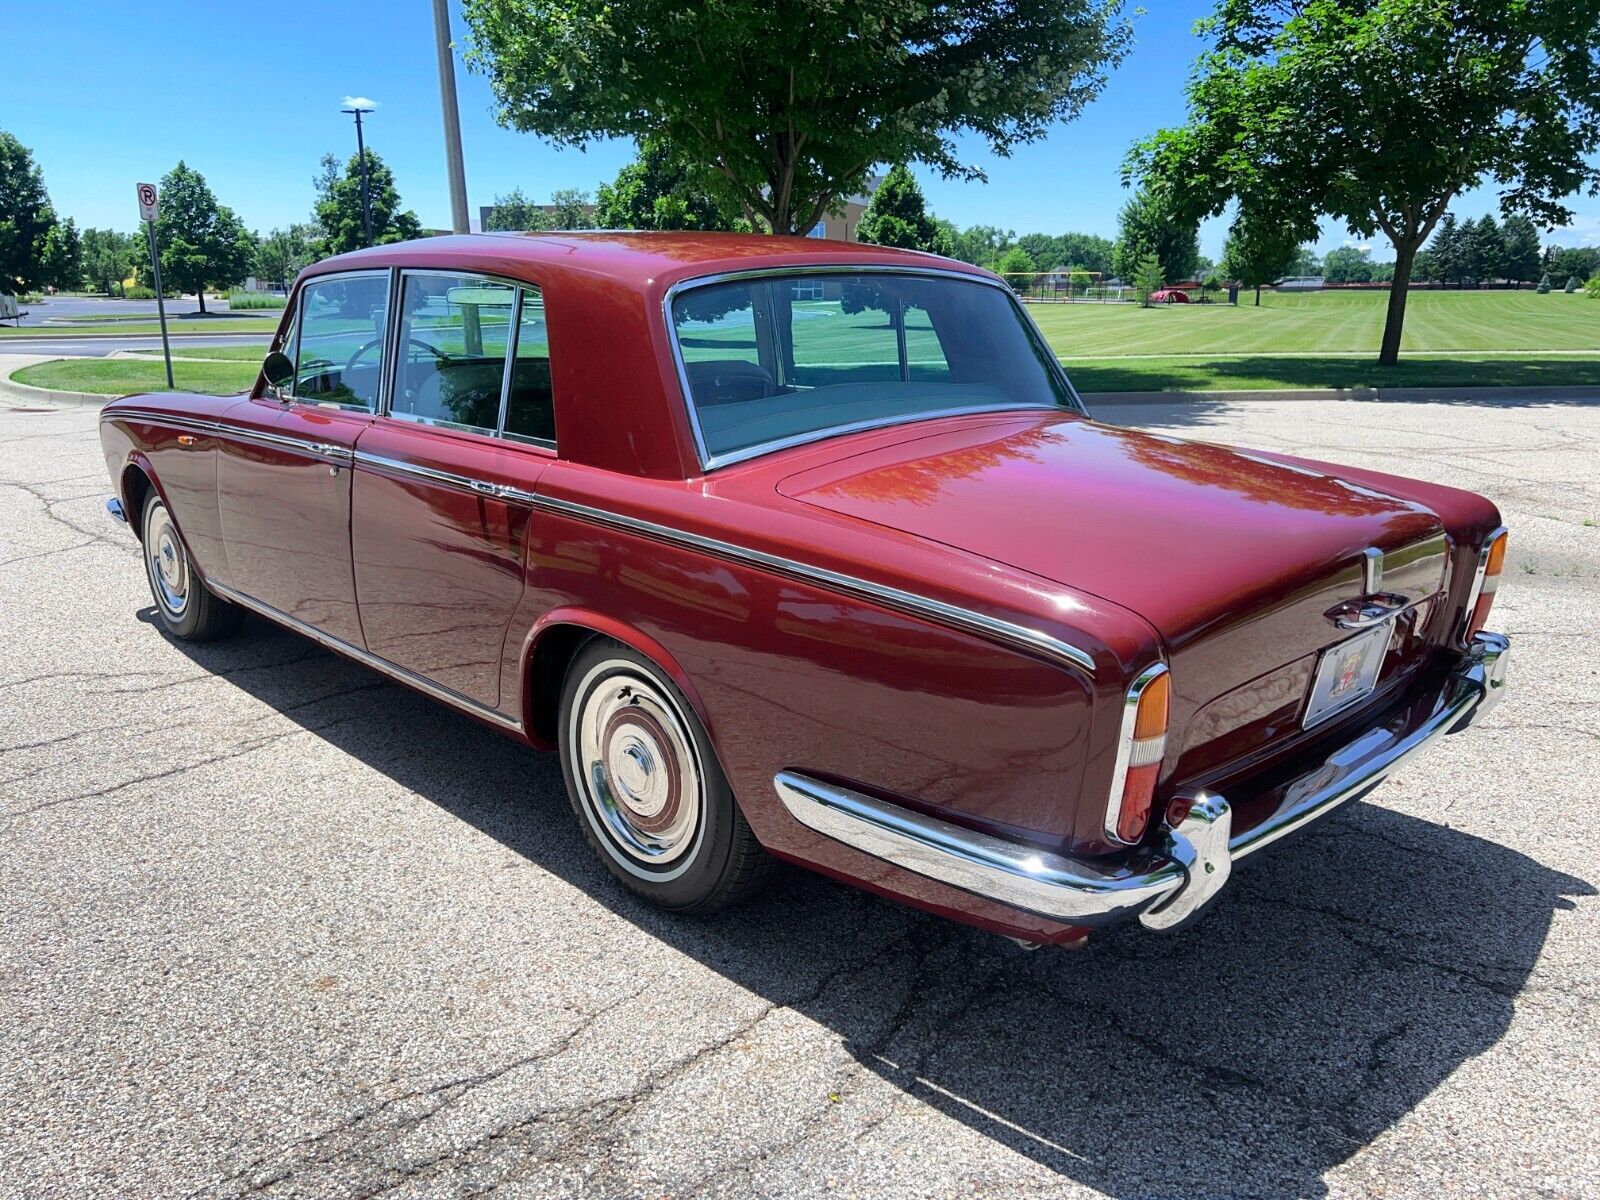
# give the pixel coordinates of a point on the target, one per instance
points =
(1490, 560)
(1140, 750)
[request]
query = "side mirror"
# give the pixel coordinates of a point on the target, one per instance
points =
(278, 369)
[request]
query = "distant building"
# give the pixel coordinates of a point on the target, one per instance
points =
(842, 227)
(1300, 283)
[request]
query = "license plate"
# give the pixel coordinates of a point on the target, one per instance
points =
(1347, 674)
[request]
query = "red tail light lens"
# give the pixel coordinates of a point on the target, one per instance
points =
(1491, 559)
(1142, 747)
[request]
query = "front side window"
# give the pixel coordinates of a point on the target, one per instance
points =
(454, 334)
(340, 349)
(779, 359)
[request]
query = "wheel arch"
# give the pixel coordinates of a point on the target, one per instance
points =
(554, 642)
(136, 482)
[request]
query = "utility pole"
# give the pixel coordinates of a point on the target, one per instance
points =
(361, 154)
(452, 118)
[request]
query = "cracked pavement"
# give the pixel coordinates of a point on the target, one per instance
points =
(274, 926)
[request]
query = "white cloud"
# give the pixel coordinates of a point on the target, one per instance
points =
(357, 102)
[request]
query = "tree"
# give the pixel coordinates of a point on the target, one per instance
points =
(1147, 278)
(339, 212)
(62, 265)
(1258, 255)
(1449, 250)
(1573, 284)
(1347, 264)
(1488, 248)
(1582, 261)
(284, 253)
(515, 213)
(25, 217)
(1380, 113)
(1306, 262)
(1519, 250)
(981, 245)
(1150, 226)
(1015, 261)
(1468, 249)
(788, 106)
(571, 209)
(897, 215)
(658, 190)
(1544, 285)
(108, 258)
(202, 243)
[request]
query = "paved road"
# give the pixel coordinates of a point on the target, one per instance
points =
(98, 347)
(274, 926)
(67, 308)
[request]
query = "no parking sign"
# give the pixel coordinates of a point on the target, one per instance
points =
(147, 202)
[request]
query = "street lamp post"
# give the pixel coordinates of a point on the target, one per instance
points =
(361, 154)
(452, 118)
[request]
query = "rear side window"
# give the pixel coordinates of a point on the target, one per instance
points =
(455, 331)
(530, 411)
(340, 350)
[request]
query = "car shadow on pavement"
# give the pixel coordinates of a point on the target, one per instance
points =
(1339, 981)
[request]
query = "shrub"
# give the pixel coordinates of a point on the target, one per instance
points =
(239, 300)
(1592, 288)
(1573, 284)
(1147, 277)
(1544, 284)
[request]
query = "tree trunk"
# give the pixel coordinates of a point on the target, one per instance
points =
(1394, 322)
(1258, 295)
(201, 293)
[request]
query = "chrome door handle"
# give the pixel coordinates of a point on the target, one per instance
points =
(1368, 611)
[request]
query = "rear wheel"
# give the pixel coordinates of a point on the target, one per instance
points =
(186, 607)
(647, 787)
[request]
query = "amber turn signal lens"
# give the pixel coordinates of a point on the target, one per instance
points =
(1153, 701)
(1494, 561)
(1144, 733)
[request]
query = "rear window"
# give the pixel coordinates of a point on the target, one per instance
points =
(783, 359)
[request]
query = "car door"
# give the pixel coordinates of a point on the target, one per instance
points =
(438, 535)
(283, 477)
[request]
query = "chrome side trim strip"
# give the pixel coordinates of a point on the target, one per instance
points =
(1032, 640)
(1119, 772)
(326, 451)
(1166, 888)
(382, 665)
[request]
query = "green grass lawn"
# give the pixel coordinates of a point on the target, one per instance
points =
(119, 376)
(249, 354)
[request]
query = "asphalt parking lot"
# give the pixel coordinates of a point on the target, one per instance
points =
(274, 926)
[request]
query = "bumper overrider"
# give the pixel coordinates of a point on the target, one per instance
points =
(1166, 887)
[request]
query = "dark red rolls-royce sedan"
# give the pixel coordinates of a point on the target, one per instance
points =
(805, 550)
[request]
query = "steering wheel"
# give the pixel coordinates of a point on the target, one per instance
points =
(438, 354)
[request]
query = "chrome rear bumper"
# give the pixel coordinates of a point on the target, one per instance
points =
(1166, 888)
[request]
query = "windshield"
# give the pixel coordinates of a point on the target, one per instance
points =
(788, 358)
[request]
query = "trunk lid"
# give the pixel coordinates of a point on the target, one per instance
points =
(1234, 558)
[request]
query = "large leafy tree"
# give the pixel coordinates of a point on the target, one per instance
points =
(339, 208)
(62, 265)
(108, 258)
(513, 212)
(1148, 224)
(284, 253)
(1082, 251)
(569, 209)
(202, 243)
(1257, 255)
(25, 217)
(1379, 112)
(981, 245)
(1519, 250)
(788, 106)
(1348, 264)
(658, 190)
(897, 215)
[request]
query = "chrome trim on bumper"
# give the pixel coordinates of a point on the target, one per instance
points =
(1166, 889)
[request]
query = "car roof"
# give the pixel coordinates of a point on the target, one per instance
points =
(630, 256)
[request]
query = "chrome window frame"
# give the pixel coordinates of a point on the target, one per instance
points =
(711, 462)
(292, 397)
(520, 289)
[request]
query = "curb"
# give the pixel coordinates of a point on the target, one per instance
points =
(72, 335)
(10, 389)
(1412, 394)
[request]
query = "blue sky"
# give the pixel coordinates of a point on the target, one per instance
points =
(110, 92)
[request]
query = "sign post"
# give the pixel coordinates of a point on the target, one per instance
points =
(148, 210)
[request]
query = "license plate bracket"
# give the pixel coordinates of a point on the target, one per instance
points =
(1347, 674)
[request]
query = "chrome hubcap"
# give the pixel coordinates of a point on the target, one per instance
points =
(169, 565)
(637, 764)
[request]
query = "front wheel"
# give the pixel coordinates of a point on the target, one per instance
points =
(647, 788)
(188, 610)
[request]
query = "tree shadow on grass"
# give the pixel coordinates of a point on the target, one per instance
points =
(1336, 985)
(1335, 372)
